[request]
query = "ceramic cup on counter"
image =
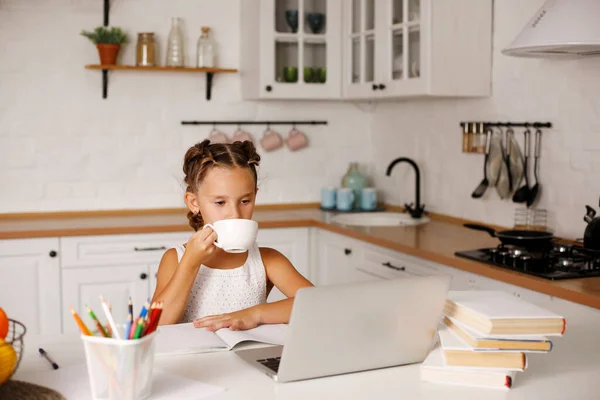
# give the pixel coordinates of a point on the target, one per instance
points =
(368, 198)
(234, 235)
(328, 195)
(344, 199)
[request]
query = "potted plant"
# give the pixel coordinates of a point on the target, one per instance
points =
(108, 41)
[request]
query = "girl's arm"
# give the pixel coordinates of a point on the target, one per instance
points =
(176, 279)
(284, 276)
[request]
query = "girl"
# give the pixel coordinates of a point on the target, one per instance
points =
(202, 283)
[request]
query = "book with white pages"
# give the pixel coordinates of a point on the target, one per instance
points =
(181, 339)
(459, 354)
(479, 342)
(494, 313)
(434, 370)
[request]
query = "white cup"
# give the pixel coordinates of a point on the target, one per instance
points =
(235, 235)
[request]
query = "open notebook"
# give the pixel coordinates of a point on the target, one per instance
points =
(185, 339)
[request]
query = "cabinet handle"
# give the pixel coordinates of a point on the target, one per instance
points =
(269, 88)
(375, 87)
(143, 276)
(381, 86)
(149, 248)
(347, 251)
(53, 253)
(389, 265)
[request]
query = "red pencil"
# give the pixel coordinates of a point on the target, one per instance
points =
(155, 318)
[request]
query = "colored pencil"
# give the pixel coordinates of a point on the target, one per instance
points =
(130, 307)
(144, 310)
(155, 319)
(139, 328)
(110, 319)
(127, 327)
(95, 319)
(84, 329)
(107, 324)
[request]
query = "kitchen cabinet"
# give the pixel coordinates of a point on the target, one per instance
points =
(116, 284)
(293, 243)
(412, 48)
(30, 283)
(338, 257)
(388, 264)
(113, 266)
(291, 49)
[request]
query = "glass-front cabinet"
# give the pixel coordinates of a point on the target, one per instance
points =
(402, 48)
(383, 48)
(299, 52)
(365, 49)
(411, 48)
(361, 41)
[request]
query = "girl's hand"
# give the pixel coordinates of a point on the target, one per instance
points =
(201, 245)
(235, 321)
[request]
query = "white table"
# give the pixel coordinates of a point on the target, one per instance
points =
(570, 371)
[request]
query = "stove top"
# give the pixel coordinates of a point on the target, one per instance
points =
(555, 262)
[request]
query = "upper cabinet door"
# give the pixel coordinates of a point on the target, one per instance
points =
(404, 56)
(300, 49)
(361, 41)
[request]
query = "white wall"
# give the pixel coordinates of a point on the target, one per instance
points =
(567, 93)
(62, 147)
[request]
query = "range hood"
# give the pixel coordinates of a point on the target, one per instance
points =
(560, 29)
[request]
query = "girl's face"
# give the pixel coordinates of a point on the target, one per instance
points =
(225, 193)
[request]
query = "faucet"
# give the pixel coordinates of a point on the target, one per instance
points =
(418, 210)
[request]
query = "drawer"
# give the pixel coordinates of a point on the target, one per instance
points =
(79, 251)
(389, 265)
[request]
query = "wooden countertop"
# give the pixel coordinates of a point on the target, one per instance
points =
(436, 241)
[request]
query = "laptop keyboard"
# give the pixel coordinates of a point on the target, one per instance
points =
(271, 363)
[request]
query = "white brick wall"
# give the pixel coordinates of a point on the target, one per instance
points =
(64, 148)
(563, 92)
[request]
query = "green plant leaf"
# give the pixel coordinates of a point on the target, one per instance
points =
(104, 35)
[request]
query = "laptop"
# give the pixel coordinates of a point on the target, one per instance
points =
(355, 327)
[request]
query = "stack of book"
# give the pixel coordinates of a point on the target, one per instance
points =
(485, 338)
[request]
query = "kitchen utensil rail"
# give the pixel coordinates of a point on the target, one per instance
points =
(510, 124)
(254, 122)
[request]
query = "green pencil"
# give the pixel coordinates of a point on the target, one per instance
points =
(98, 324)
(139, 328)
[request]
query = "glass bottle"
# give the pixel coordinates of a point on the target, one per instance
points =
(207, 50)
(145, 50)
(175, 57)
(355, 180)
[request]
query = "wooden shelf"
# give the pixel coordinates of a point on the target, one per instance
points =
(208, 71)
(170, 69)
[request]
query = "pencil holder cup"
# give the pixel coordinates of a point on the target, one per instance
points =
(119, 369)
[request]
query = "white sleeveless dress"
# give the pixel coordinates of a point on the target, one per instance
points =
(220, 291)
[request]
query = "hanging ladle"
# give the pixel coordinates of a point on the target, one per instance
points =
(480, 190)
(536, 187)
(522, 195)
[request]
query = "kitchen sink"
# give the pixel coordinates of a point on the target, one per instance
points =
(378, 219)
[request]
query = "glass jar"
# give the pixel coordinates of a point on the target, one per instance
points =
(175, 57)
(206, 50)
(145, 50)
(355, 180)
